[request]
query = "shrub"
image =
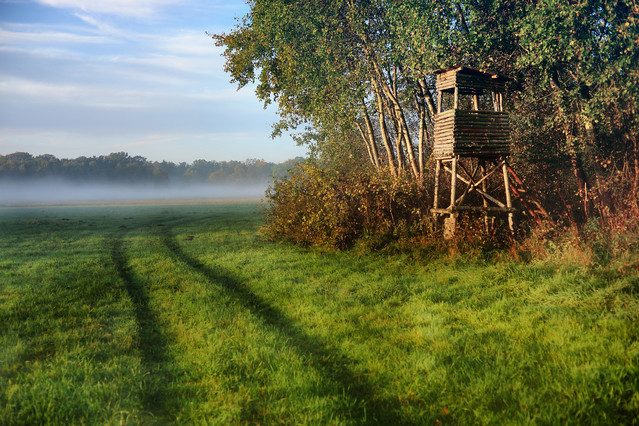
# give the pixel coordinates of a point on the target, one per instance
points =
(322, 207)
(327, 207)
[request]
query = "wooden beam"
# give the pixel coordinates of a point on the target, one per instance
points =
(473, 208)
(484, 188)
(509, 202)
(456, 98)
(472, 185)
(493, 170)
(482, 193)
(438, 166)
(469, 188)
(453, 182)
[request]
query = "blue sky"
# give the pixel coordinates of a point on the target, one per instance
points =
(91, 77)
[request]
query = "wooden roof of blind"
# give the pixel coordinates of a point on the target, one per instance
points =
(469, 79)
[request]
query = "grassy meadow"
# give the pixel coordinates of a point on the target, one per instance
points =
(116, 314)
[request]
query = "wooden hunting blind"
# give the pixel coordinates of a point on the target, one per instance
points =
(472, 143)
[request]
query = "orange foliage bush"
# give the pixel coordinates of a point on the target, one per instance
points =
(320, 207)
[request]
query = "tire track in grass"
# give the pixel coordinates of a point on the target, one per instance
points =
(373, 410)
(150, 340)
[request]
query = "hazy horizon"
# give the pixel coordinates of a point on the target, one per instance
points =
(61, 190)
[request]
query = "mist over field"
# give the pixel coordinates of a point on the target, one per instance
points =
(59, 190)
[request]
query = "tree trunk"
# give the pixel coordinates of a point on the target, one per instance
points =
(371, 135)
(430, 111)
(422, 134)
(403, 134)
(383, 129)
(427, 96)
(579, 174)
(364, 137)
(575, 159)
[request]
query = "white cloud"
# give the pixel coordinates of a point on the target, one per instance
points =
(134, 8)
(101, 26)
(179, 58)
(89, 96)
(188, 52)
(189, 43)
(29, 35)
(189, 65)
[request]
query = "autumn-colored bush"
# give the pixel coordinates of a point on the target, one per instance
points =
(323, 207)
(329, 207)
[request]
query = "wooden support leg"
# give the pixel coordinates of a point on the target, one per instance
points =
(450, 223)
(509, 203)
(453, 182)
(438, 169)
(484, 188)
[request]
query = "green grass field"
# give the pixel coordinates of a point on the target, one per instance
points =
(182, 313)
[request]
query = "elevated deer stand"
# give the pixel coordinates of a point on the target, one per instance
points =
(472, 143)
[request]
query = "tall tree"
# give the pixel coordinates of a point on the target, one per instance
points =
(364, 68)
(330, 64)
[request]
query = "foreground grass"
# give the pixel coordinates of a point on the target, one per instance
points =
(183, 314)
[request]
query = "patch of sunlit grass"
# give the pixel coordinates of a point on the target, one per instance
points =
(183, 313)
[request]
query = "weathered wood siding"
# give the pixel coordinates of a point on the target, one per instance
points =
(471, 134)
(468, 83)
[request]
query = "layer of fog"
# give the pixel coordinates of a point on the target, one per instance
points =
(60, 191)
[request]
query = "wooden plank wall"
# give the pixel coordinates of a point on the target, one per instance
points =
(468, 83)
(471, 134)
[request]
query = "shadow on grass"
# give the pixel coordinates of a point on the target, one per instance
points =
(370, 408)
(150, 341)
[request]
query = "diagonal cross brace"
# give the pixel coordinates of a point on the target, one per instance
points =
(472, 185)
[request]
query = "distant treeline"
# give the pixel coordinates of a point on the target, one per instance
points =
(121, 167)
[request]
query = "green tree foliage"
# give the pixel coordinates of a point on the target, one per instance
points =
(121, 167)
(360, 72)
(332, 65)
